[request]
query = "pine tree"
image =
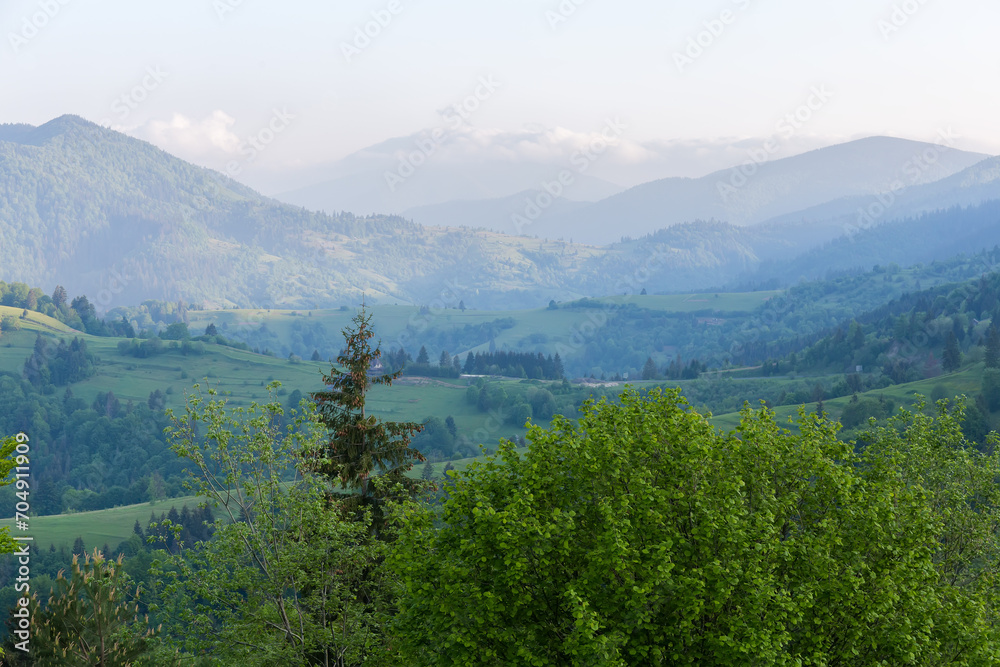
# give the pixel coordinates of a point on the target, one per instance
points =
(59, 297)
(649, 370)
(952, 358)
(993, 347)
(557, 368)
(422, 356)
(362, 446)
(36, 367)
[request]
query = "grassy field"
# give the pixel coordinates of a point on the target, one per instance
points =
(34, 321)
(110, 526)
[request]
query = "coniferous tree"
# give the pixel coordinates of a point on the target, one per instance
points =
(993, 347)
(362, 446)
(952, 355)
(88, 619)
(649, 370)
(60, 297)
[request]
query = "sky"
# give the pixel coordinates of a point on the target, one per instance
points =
(694, 84)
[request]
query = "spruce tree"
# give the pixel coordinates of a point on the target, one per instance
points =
(360, 445)
(993, 348)
(649, 370)
(952, 355)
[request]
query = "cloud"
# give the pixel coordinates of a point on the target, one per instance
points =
(626, 161)
(208, 140)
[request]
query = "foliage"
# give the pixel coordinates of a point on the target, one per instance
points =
(8, 461)
(515, 364)
(642, 536)
(286, 580)
(86, 457)
(61, 366)
(87, 619)
(360, 445)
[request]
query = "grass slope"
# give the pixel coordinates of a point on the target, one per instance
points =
(110, 526)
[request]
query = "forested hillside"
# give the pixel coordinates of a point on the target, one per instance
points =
(125, 222)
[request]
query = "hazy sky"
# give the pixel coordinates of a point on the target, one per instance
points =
(201, 76)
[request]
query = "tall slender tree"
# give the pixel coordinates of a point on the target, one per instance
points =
(952, 357)
(360, 445)
(993, 347)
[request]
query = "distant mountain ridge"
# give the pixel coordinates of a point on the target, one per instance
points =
(776, 188)
(407, 173)
(122, 221)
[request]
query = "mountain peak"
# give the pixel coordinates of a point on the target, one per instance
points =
(68, 124)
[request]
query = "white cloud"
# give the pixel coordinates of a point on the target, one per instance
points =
(625, 161)
(210, 139)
